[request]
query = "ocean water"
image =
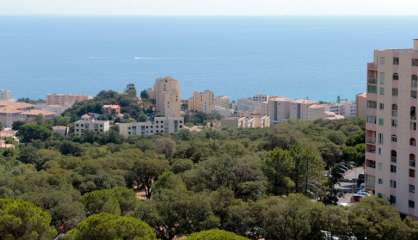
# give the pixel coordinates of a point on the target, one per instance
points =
(316, 57)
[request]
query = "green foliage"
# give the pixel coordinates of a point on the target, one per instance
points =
(106, 226)
(215, 234)
(21, 220)
(115, 201)
(30, 132)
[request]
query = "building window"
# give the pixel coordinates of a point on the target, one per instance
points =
(413, 126)
(381, 106)
(393, 156)
(370, 163)
(394, 123)
(395, 92)
(381, 60)
(414, 94)
(380, 181)
(411, 188)
(380, 138)
(411, 204)
(412, 160)
(382, 91)
(413, 113)
(414, 81)
(392, 183)
(394, 110)
(381, 121)
(411, 173)
(412, 142)
(392, 199)
(371, 89)
(395, 76)
(395, 61)
(415, 62)
(371, 104)
(392, 168)
(371, 119)
(382, 78)
(394, 138)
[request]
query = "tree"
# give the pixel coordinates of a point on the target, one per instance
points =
(144, 95)
(106, 226)
(70, 148)
(30, 132)
(215, 234)
(278, 167)
(21, 220)
(145, 171)
(373, 218)
(115, 201)
(131, 90)
(166, 146)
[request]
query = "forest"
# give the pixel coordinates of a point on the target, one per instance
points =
(274, 183)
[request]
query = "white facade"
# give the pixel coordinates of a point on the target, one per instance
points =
(160, 125)
(5, 95)
(251, 107)
(391, 127)
(347, 109)
(90, 124)
(254, 122)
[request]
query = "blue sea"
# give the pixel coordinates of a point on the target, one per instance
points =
(316, 57)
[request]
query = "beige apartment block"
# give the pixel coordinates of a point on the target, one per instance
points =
(11, 112)
(255, 121)
(222, 101)
(202, 102)
(361, 105)
(90, 124)
(167, 96)
(64, 99)
(391, 122)
(160, 125)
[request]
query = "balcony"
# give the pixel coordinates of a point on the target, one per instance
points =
(370, 148)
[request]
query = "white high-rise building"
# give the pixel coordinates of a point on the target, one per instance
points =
(5, 95)
(391, 127)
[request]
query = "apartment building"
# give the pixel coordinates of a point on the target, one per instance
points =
(361, 105)
(391, 122)
(344, 108)
(167, 97)
(255, 121)
(88, 123)
(11, 112)
(159, 125)
(5, 95)
(202, 102)
(249, 106)
(64, 99)
(112, 109)
(222, 101)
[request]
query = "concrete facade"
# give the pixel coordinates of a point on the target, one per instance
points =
(202, 102)
(64, 99)
(361, 105)
(90, 124)
(391, 127)
(167, 96)
(160, 125)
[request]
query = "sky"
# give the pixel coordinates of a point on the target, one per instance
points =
(209, 7)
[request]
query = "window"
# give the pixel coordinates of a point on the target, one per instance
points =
(414, 81)
(392, 199)
(412, 160)
(371, 104)
(395, 92)
(413, 126)
(380, 181)
(411, 204)
(411, 188)
(371, 119)
(412, 142)
(394, 138)
(392, 183)
(381, 106)
(381, 60)
(414, 94)
(395, 76)
(393, 156)
(414, 62)
(381, 121)
(392, 168)
(380, 138)
(371, 89)
(395, 61)
(394, 123)
(394, 110)
(370, 163)
(413, 113)
(411, 173)
(382, 91)
(382, 78)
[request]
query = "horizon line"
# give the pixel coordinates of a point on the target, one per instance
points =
(205, 15)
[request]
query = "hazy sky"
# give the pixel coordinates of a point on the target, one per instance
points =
(209, 7)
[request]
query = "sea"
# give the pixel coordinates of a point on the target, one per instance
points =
(318, 58)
